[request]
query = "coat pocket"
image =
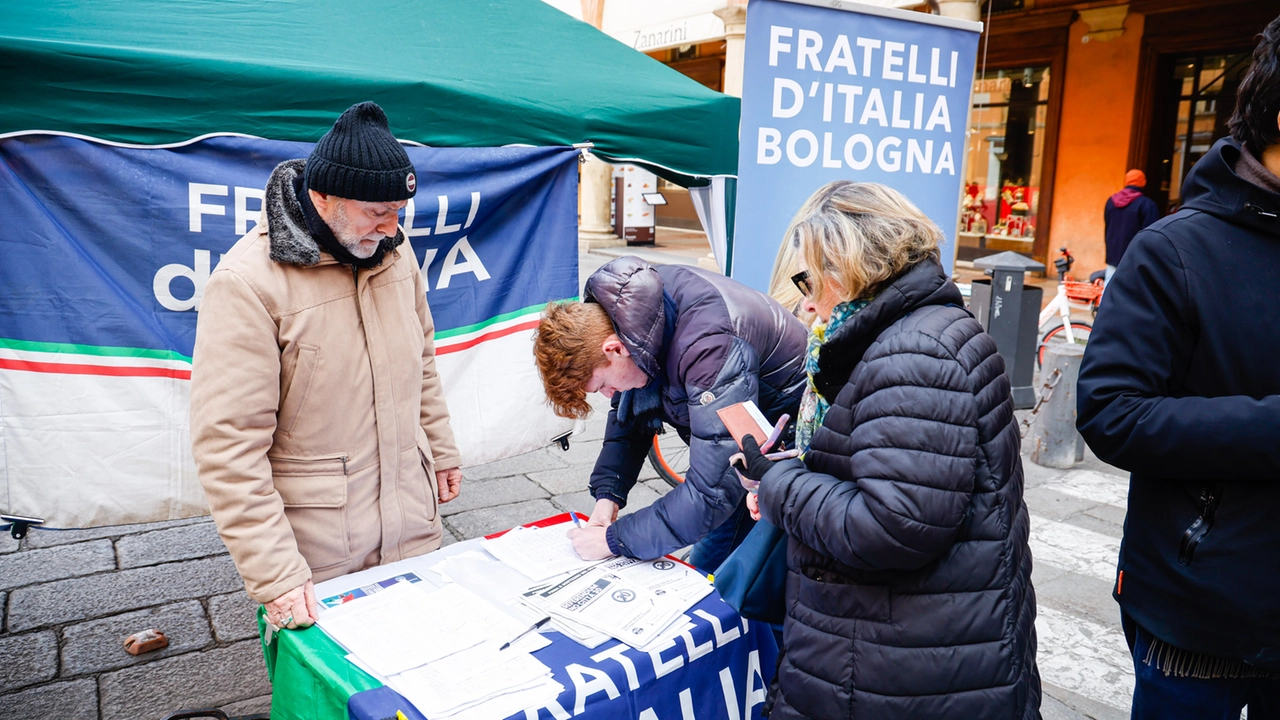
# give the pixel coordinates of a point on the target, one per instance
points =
(421, 498)
(835, 595)
(314, 493)
(294, 393)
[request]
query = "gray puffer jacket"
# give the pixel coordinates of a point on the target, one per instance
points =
(706, 342)
(909, 577)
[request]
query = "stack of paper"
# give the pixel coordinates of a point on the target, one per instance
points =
(634, 602)
(539, 553)
(440, 650)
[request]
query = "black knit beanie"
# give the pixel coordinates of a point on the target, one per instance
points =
(359, 159)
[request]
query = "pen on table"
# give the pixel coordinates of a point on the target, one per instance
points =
(527, 630)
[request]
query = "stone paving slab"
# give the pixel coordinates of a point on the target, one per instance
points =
(234, 616)
(488, 493)
(4, 611)
(41, 537)
(71, 700)
(37, 566)
(518, 465)
(1080, 595)
(1050, 503)
(252, 706)
(580, 502)
(64, 601)
(26, 660)
(98, 645)
(561, 481)
(579, 453)
(185, 542)
(201, 679)
(478, 523)
(7, 543)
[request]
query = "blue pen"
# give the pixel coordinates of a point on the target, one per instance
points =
(576, 521)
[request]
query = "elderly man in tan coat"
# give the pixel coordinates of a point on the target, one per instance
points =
(318, 423)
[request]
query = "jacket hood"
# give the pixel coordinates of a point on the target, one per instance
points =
(1125, 196)
(630, 291)
(290, 241)
(1213, 186)
(922, 284)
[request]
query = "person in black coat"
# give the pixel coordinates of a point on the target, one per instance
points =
(669, 344)
(908, 589)
(1180, 386)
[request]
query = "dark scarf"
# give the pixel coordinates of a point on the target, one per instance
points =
(323, 234)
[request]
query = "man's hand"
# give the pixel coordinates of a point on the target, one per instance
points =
(604, 513)
(294, 609)
(753, 505)
(449, 483)
(590, 542)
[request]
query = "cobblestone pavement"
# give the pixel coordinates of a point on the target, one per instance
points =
(68, 598)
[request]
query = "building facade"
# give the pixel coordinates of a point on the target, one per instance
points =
(1068, 96)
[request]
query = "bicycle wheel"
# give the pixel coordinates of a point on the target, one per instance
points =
(1079, 330)
(669, 457)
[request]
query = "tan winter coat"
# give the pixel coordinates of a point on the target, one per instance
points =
(317, 416)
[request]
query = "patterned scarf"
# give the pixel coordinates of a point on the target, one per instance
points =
(813, 406)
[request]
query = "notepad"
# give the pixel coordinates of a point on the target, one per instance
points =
(744, 418)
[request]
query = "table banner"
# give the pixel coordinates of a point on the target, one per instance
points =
(106, 253)
(842, 91)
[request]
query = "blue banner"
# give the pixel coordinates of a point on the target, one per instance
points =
(107, 250)
(719, 666)
(111, 246)
(848, 92)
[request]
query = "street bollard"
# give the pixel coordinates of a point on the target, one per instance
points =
(1009, 311)
(1055, 442)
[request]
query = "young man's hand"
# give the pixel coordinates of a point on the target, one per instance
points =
(604, 513)
(590, 542)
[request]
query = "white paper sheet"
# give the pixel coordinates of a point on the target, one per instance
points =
(435, 693)
(539, 553)
(404, 626)
(607, 603)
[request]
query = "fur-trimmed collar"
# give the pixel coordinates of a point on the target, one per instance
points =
(291, 242)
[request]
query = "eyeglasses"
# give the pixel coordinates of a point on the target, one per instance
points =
(801, 280)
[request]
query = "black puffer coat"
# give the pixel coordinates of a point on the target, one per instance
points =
(706, 342)
(909, 585)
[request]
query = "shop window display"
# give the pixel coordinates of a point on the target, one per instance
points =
(1005, 160)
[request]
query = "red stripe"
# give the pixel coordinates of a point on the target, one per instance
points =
(106, 370)
(446, 349)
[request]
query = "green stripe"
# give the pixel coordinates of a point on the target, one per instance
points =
(100, 350)
(467, 329)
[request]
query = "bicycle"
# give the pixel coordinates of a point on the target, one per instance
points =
(669, 456)
(1071, 295)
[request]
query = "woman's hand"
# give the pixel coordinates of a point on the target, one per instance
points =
(751, 463)
(753, 505)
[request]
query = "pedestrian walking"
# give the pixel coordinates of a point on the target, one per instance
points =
(909, 577)
(1127, 212)
(1179, 387)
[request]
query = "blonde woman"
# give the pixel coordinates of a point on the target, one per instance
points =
(909, 578)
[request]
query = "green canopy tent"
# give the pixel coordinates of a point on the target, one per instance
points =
(450, 73)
